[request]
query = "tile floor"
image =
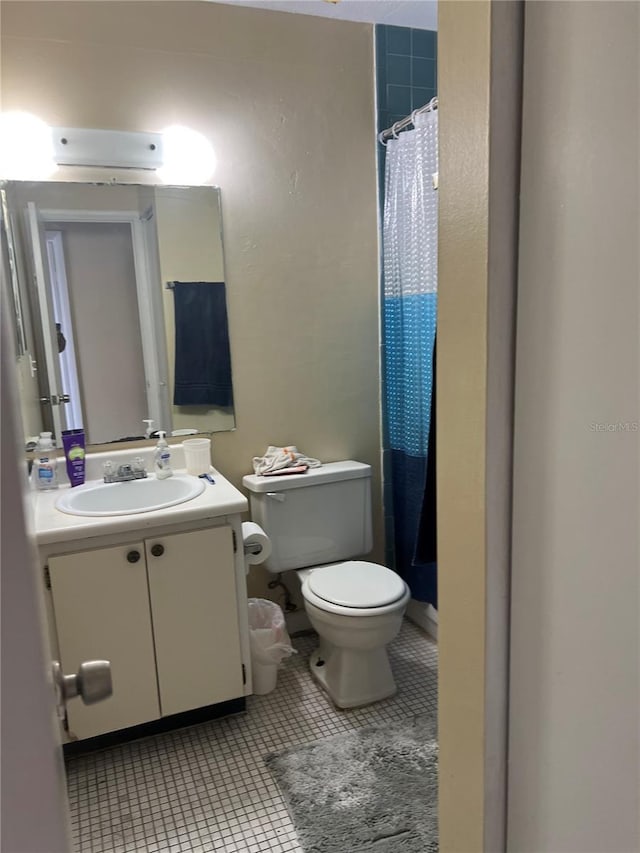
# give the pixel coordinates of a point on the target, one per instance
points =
(205, 788)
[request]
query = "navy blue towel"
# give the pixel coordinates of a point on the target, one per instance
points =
(203, 359)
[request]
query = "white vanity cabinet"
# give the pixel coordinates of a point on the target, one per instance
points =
(195, 618)
(101, 606)
(164, 609)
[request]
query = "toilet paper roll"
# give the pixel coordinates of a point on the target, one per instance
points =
(256, 543)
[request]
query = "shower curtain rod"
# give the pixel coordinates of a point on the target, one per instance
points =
(394, 130)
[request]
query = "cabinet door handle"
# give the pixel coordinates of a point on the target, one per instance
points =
(157, 550)
(133, 556)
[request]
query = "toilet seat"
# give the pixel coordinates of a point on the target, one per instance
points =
(355, 587)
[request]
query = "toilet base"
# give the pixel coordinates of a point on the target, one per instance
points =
(352, 677)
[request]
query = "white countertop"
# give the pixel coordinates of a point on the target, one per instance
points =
(53, 525)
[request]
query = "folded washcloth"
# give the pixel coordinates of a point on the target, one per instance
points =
(281, 458)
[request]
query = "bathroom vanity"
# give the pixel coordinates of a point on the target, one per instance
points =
(159, 594)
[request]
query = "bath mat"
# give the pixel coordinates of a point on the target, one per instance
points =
(372, 790)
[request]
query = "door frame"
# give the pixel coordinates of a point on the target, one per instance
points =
(42, 274)
(480, 59)
(60, 297)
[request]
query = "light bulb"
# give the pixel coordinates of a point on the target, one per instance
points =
(26, 147)
(188, 157)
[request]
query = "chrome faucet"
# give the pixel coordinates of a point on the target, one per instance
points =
(123, 473)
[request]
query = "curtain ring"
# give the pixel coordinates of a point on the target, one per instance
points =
(394, 132)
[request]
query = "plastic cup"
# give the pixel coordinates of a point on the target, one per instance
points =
(197, 455)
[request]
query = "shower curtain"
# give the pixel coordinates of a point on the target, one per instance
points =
(409, 315)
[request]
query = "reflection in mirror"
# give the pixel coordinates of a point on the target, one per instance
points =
(120, 308)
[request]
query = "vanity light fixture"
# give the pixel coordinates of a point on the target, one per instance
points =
(179, 155)
(30, 150)
(76, 146)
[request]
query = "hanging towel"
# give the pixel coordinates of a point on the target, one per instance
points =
(203, 359)
(283, 459)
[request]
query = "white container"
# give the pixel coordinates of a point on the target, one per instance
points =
(197, 455)
(265, 677)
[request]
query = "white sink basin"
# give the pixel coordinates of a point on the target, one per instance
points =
(131, 497)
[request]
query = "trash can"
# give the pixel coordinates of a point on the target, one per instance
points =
(269, 643)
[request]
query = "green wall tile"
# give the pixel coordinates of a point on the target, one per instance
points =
(424, 43)
(398, 40)
(399, 69)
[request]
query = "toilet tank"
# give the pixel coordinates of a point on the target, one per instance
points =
(322, 516)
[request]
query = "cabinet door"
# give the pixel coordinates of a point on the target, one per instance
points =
(192, 586)
(101, 605)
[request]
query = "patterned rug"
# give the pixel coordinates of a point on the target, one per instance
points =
(373, 790)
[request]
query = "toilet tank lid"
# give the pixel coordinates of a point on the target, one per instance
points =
(331, 472)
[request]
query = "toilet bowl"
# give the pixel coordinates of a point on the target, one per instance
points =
(356, 608)
(318, 522)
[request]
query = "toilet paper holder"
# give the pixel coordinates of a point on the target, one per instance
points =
(256, 545)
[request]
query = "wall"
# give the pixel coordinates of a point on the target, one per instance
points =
(574, 730)
(287, 101)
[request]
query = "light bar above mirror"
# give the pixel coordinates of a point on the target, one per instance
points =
(31, 150)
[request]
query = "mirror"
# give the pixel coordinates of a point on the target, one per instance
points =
(119, 308)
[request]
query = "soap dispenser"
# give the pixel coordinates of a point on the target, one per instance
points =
(162, 458)
(44, 466)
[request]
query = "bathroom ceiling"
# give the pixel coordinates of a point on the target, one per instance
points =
(420, 14)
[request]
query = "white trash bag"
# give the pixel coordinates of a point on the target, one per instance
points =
(269, 643)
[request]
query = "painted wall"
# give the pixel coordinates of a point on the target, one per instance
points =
(574, 717)
(287, 101)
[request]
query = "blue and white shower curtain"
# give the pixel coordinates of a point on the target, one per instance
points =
(410, 245)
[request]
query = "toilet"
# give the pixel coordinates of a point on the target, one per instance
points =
(319, 523)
